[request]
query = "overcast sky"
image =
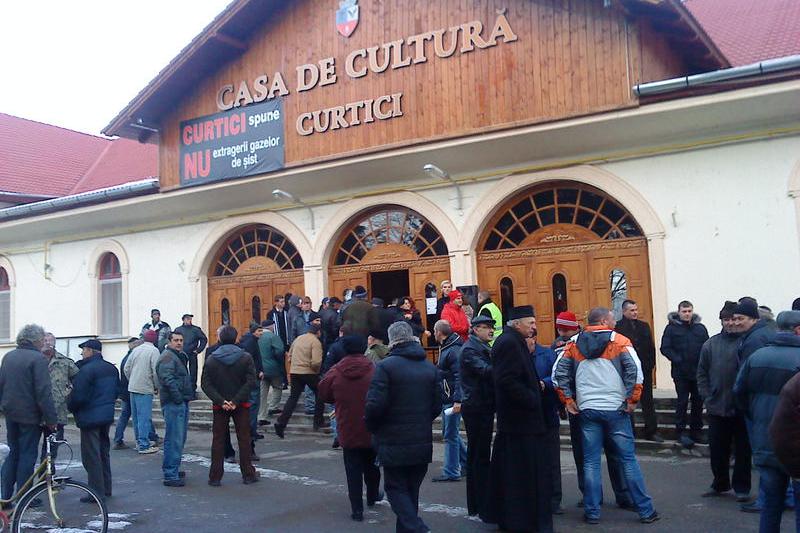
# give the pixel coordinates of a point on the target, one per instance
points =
(77, 63)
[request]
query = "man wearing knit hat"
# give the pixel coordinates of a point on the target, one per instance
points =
(403, 399)
(754, 331)
(567, 327)
(641, 337)
(757, 389)
(140, 369)
(681, 343)
(716, 373)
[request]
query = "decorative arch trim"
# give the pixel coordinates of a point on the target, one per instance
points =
(102, 248)
(109, 245)
(5, 263)
(331, 231)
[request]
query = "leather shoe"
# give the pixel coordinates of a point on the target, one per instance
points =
(174, 483)
(358, 516)
(591, 520)
(445, 479)
(214, 483)
(279, 429)
(273, 412)
(751, 507)
(650, 519)
(252, 479)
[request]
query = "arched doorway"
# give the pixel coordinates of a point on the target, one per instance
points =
(254, 264)
(393, 251)
(565, 245)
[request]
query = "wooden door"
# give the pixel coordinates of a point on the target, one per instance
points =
(339, 280)
(418, 276)
(633, 261)
(560, 283)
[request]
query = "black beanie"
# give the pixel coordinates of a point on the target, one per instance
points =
(747, 308)
(354, 344)
(727, 309)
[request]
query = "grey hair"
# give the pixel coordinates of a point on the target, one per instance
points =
(483, 295)
(514, 322)
(788, 320)
(30, 334)
(597, 315)
(443, 327)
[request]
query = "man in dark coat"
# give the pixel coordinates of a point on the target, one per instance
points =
(346, 385)
(477, 409)
(642, 339)
(404, 398)
(757, 389)
(249, 343)
(94, 393)
(228, 377)
(520, 483)
(754, 331)
(331, 321)
(455, 451)
(194, 342)
(681, 343)
(716, 374)
(26, 400)
(784, 430)
(360, 316)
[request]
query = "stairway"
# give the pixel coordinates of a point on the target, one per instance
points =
(200, 415)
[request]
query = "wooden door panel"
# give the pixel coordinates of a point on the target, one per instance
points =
(339, 281)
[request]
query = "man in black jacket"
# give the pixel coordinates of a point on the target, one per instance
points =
(228, 377)
(681, 342)
(642, 339)
(716, 375)
(175, 389)
(194, 342)
(477, 408)
(404, 398)
(520, 481)
(249, 343)
(26, 400)
(94, 393)
(455, 451)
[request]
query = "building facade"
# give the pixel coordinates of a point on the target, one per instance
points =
(292, 155)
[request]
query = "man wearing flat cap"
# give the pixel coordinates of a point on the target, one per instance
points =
(477, 409)
(194, 342)
(520, 481)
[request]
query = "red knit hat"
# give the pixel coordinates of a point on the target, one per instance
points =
(567, 319)
(454, 294)
(150, 335)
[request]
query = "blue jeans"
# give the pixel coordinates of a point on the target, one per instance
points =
(122, 424)
(176, 418)
(616, 427)
(255, 402)
(23, 440)
(774, 482)
(142, 411)
(455, 451)
(789, 502)
(309, 399)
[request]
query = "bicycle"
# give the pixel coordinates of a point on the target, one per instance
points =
(70, 505)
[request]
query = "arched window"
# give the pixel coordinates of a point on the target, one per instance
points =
(256, 307)
(225, 310)
(5, 306)
(110, 280)
(256, 241)
(560, 303)
(619, 291)
(506, 296)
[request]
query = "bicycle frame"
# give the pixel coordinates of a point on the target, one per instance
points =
(42, 473)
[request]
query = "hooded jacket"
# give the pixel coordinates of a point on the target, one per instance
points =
(273, 355)
(173, 375)
(450, 368)
(229, 374)
(404, 397)
(681, 344)
(716, 373)
(457, 318)
(600, 371)
(94, 393)
(757, 389)
(477, 387)
(346, 385)
(785, 427)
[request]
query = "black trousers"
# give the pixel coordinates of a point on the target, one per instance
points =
(554, 451)
(95, 446)
(402, 488)
(686, 389)
(193, 370)
(479, 457)
(723, 432)
(299, 382)
(360, 468)
(615, 471)
(648, 413)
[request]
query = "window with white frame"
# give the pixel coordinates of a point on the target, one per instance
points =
(110, 280)
(5, 306)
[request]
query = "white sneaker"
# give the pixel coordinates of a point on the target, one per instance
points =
(151, 449)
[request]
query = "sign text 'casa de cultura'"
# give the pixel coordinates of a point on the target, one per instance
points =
(413, 50)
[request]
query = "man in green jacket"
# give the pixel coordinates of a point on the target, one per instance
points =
(273, 359)
(62, 370)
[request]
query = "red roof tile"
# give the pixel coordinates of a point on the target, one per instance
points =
(749, 31)
(42, 159)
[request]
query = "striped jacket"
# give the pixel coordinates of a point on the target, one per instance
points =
(599, 370)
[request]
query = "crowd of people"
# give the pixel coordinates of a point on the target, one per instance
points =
(366, 364)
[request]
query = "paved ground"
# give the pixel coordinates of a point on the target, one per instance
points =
(302, 489)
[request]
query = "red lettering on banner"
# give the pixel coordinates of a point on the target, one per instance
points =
(196, 164)
(218, 128)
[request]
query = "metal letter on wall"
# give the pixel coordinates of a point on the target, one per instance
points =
(240, 142)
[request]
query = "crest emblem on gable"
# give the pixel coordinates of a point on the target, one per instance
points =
(347, 17)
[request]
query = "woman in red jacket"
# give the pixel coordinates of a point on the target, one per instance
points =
(346, 385)
(455, 315)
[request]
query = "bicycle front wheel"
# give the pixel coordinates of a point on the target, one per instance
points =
(76, 507)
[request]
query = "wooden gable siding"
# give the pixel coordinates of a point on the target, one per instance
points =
(572, 57)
